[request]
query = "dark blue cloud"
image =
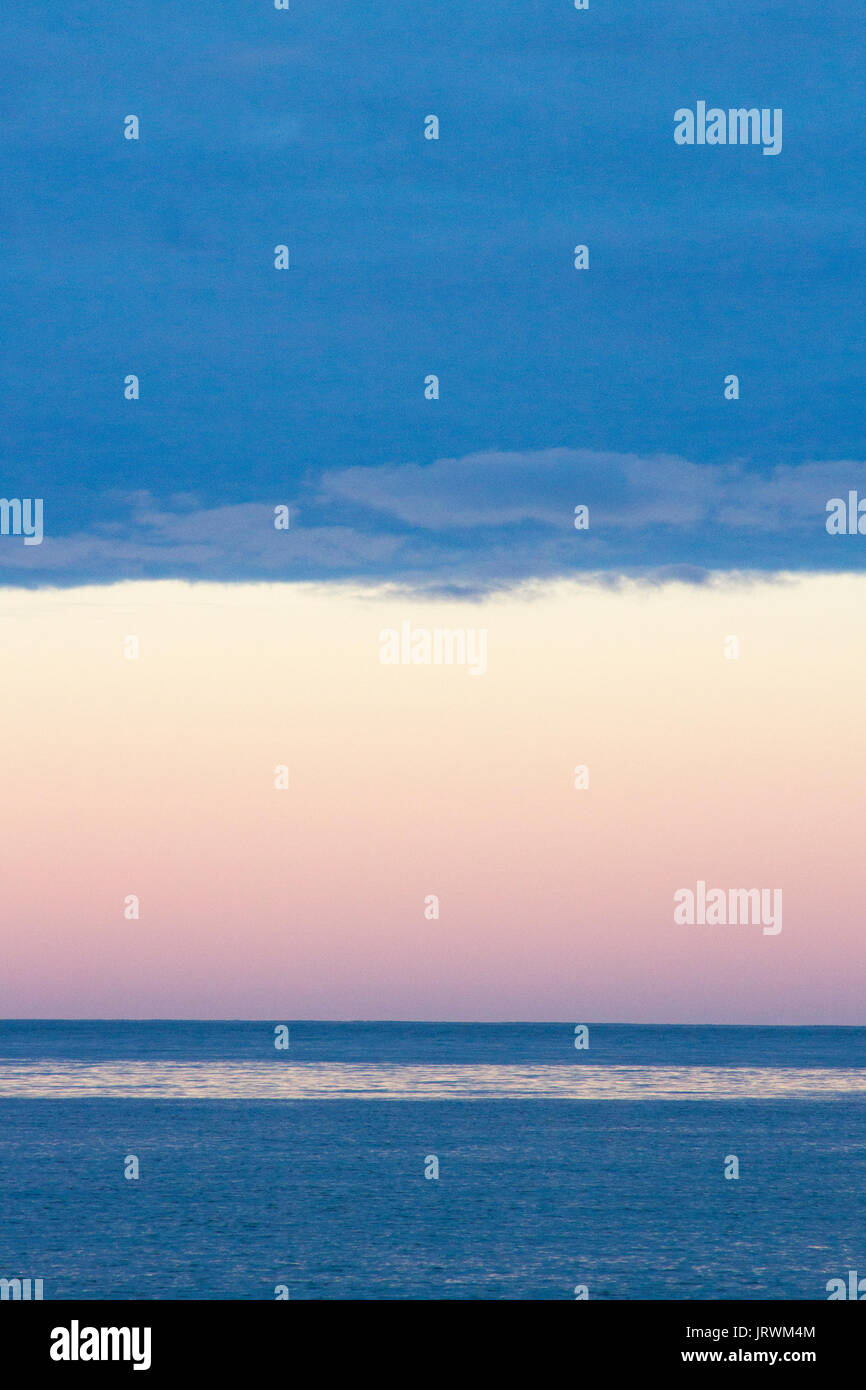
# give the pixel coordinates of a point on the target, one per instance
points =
(479, 522)
(409, 257)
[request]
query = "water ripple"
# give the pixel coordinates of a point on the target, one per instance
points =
(165, 1080)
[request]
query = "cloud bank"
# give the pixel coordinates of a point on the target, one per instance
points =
(478, 522)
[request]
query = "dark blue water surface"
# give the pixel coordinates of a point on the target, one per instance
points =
(507, 1043)
(329, 1197)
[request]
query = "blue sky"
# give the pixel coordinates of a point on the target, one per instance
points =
(410, 257)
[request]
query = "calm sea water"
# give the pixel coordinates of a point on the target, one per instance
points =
(305, 1167)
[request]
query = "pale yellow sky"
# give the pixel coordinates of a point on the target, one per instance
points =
(155, 777)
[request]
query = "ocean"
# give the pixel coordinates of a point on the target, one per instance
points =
(550, 1171)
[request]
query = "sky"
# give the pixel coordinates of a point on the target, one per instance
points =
(155, 776)
(411, 257)
(260, 388)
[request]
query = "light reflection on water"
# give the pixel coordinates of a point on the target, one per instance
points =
(160, 1080)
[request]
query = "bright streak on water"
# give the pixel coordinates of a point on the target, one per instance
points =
(163, 1080)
